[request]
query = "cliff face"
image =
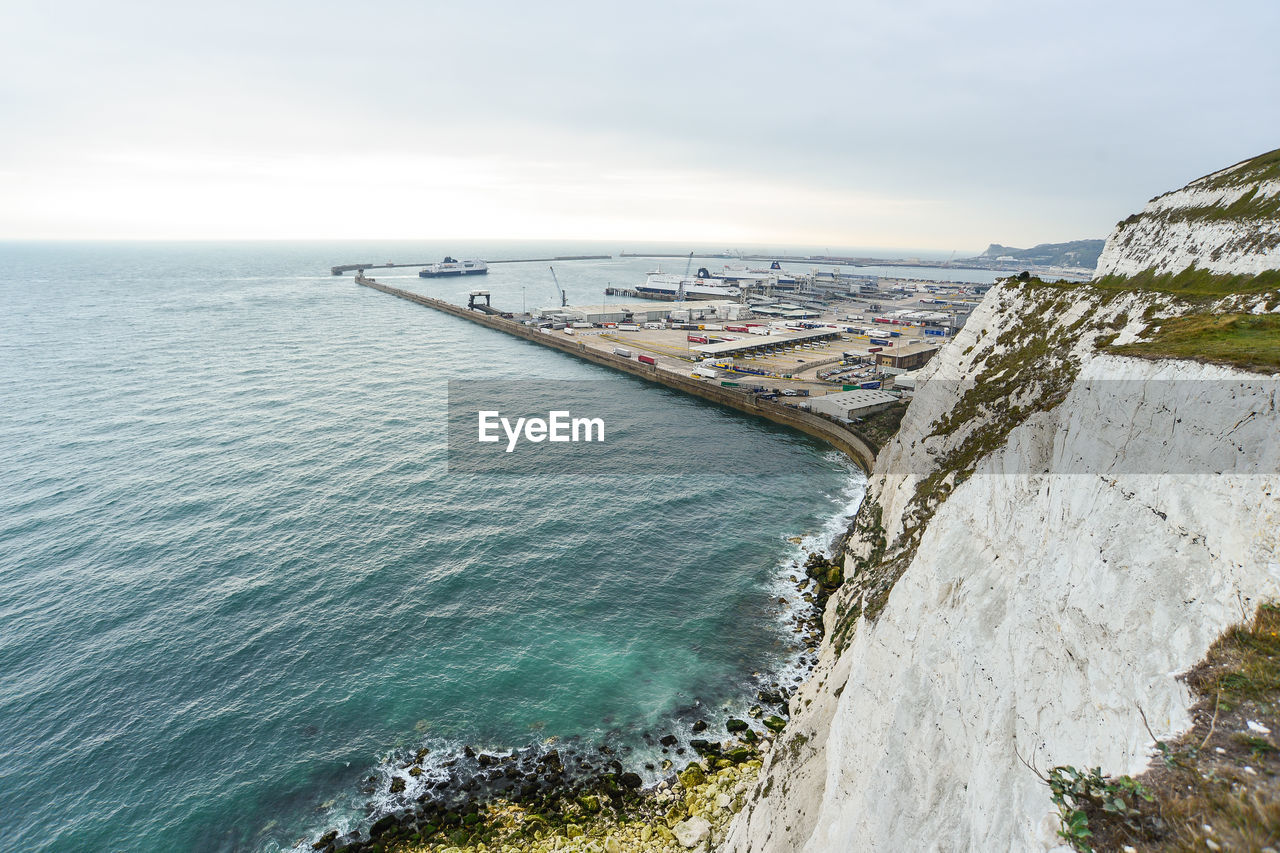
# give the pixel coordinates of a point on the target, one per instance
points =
(1227, 222)
(1053, 535)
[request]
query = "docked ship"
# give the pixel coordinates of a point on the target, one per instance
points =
(449, 266)
(774, 278)
(677, 288)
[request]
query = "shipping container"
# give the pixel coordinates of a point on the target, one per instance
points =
(653, 325)
(625, 353)
(935, 332)
(735, 328)
(849, 387)
(895, 334)
(880, 342)
(729, 384)
(870, 385)
(875, 349)
(628, 327)
(697, 339)
(646, 359)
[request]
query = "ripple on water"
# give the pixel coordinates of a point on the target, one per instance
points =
(236, 575)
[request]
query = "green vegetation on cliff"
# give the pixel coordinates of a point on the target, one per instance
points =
(1191, 284)
(1249, 341)
(1215, 788)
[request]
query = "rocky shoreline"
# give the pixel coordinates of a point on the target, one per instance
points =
(576, 796)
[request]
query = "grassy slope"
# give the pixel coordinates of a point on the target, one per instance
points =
(1218, 786)
(1249, 341)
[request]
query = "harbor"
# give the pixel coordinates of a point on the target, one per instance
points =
(599, 349)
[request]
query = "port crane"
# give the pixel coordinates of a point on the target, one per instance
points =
(684, 278)
(564, 299)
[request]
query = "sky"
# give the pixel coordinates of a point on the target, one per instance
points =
(909, 124)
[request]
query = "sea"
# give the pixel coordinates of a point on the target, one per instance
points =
(239, 577)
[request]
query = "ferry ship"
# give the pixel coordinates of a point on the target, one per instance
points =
(449, 266)
(674, 288)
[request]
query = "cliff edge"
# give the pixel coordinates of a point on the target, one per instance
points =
(1081, 497)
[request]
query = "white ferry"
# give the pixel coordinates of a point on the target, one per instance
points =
(674, 288)
(451, 267)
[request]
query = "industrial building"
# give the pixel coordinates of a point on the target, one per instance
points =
(847, 405)
(644, 312)
(759, 343)
(908, 357)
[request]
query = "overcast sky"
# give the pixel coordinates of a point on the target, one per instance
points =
(908, 124)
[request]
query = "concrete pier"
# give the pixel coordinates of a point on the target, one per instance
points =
(852, 445)
(341, 268)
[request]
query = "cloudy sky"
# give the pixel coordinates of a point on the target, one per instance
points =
(909, 124)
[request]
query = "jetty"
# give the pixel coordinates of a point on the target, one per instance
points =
(341, 268)
(846, 441)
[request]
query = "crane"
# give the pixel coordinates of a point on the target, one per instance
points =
(683, 279)
(564, 300)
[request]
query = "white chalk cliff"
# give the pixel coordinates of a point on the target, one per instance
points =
(1056, 533)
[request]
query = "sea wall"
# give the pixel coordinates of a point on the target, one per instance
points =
(852, 445)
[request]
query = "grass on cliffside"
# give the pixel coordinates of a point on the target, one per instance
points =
(1215, 788)
(1249, 341)
(1192, 283)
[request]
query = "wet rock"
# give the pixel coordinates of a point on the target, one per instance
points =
(699, 726)
(692, 776)
(325, 840)
(397, 784)
(734, 725)
(755, 712)
(774, 723)
(668, 740)
(383, 826)
(704, 747)
(631, 781)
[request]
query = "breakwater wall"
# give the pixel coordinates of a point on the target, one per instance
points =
(846, 441)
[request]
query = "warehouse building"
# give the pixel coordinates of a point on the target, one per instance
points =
(847, 405)
(903, 358)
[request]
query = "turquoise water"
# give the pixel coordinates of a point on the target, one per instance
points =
(236, 575)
